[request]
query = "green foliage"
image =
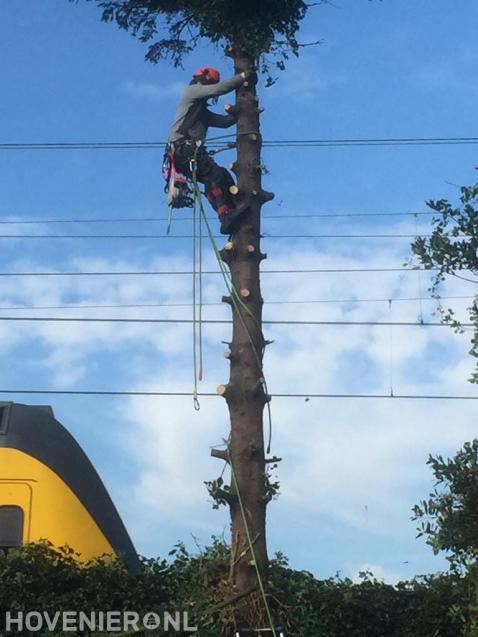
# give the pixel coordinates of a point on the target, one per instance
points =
(451, 249)
(37, 577)
(448, 518)
(221, 495)
(173, 28)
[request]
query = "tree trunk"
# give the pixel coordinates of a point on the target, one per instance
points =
(245, 394)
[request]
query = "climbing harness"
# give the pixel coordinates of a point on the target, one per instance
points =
(178, 191)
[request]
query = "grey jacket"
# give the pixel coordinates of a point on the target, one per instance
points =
(192, 117)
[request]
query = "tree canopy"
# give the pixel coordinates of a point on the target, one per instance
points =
(451, 250)
(448, 517)
(173, 28)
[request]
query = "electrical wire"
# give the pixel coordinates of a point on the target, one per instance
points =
(189, 272)
(306, 397)
(74, 319)
(278, 143)
(188, 236)
(210, 218)
(158, 305)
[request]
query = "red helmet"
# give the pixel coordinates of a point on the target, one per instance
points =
(208, 74)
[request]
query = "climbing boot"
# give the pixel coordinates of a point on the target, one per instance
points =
(230, 218)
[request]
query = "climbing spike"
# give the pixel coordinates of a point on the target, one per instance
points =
(262, 255)
(227, 299)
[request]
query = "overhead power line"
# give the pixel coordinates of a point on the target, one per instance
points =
(64, 392)
(278, 143)
(189, 272)
(325, 215)
(77, 319)
(160, 305)
(188, 236)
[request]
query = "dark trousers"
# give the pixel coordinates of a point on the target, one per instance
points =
(215, 178)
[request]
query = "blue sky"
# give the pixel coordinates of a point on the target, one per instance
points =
(352, 469)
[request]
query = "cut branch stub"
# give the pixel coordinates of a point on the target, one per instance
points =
(264, 196)
(227, 252)
(223, 390)
(232, 109)
(234, 189)
(220, 453)
(250, 250)
(245, 293)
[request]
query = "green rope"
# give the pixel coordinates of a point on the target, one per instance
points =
(197, 316)
(237, 303)
(235, 297)
(251, 545)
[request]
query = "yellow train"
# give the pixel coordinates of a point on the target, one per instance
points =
(50, 490)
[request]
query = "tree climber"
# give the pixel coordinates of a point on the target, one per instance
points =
(187, 136)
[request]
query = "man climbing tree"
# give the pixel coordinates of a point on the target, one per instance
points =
(188, 134)
(258, 36)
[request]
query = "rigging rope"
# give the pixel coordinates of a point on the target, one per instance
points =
(197, 291)
(238, 304)
(250, 542)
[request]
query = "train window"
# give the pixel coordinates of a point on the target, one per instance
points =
(11, 526)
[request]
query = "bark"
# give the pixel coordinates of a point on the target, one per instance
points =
(244, 393)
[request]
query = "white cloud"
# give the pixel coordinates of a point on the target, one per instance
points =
(358, 463)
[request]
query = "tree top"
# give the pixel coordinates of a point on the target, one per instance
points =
(173, 28)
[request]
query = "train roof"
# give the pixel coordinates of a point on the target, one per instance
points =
(34, 430)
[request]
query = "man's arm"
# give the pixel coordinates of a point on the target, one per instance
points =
(219, 121)
(204, 91)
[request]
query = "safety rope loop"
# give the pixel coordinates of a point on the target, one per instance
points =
(250, 542)
(197, 282)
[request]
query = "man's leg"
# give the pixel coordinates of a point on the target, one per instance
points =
(217, 181)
